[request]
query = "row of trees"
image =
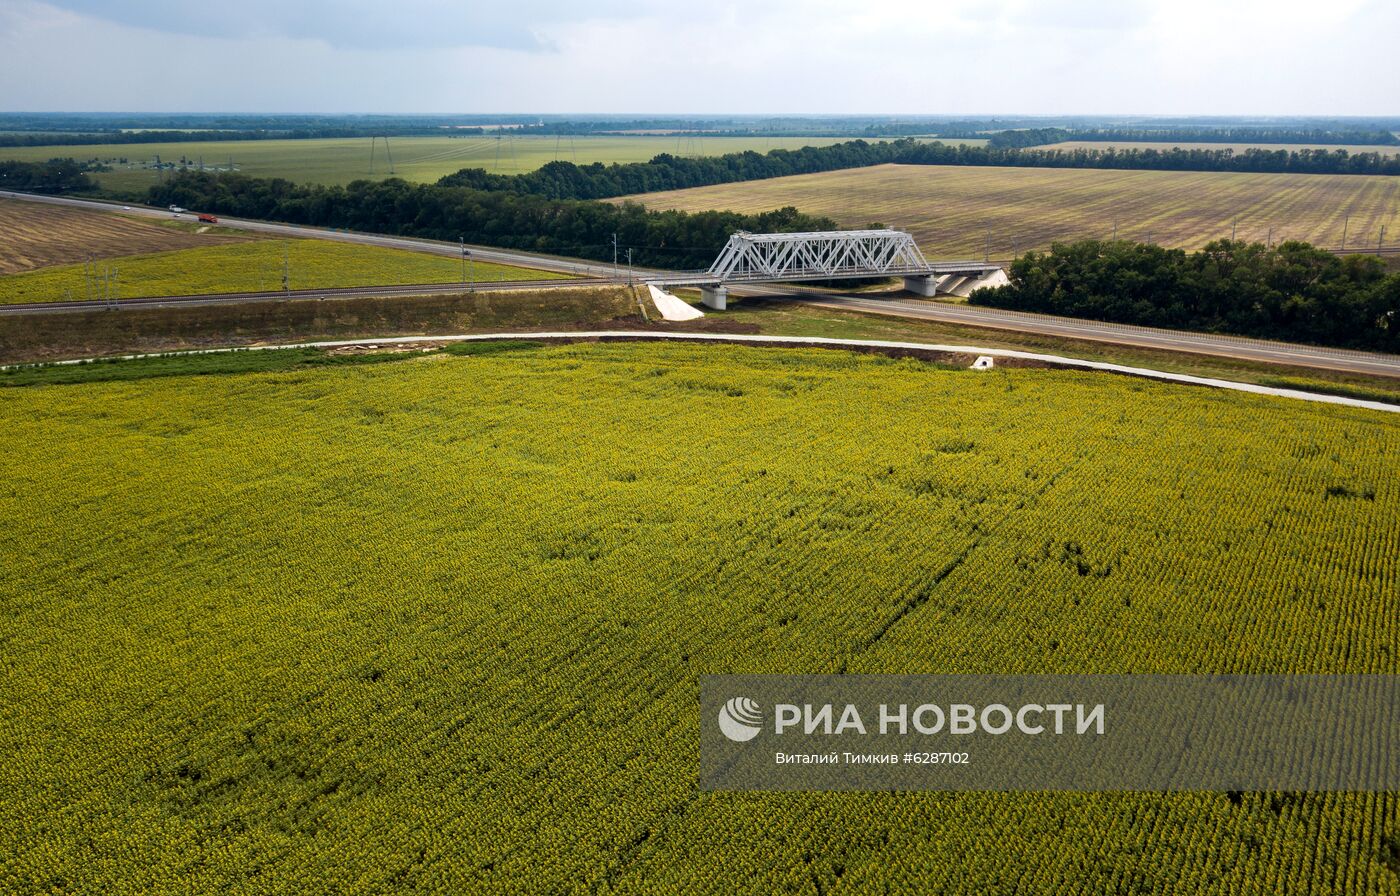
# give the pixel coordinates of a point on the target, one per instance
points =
(138, 137)
(80, 139)
(53, 176)
(1293, 291)
(1276, 161)
(510, 220)
(566, 180)
(1323, 136)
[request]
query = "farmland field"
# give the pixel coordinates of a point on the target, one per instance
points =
(436, 624)
(252, 266)
(35, 235)
(339, 161)
(1352, 148)
(951, 210)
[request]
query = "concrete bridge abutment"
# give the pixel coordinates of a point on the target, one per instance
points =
(922, 285)
(716, 297)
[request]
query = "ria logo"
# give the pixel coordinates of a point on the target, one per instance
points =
(740, 719)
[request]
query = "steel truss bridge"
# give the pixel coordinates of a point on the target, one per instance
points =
(829, 255)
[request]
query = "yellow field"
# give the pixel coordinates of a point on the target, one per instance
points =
(438, 624)
(951, 210)
(251, 266)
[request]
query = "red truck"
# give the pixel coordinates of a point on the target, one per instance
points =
(208, 219)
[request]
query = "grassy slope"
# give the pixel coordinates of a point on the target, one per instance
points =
(437, 624)
(94, 333)
(951, 209)
(415, 158)
(255, 266)
(798, 319)
(166, 329)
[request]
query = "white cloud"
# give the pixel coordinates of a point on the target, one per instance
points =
(817, 56)
(354, 24)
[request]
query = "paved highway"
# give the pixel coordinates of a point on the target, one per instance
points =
(1041, 324)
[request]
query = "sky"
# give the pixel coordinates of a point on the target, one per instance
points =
(1051, 57)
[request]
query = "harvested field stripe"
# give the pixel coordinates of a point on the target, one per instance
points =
(950, 209)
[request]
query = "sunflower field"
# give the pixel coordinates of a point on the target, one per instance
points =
(436, 625)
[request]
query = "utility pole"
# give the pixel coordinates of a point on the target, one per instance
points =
(1234, 226)
(1115, 230)
(1381, 241)
(286, 269)
(629, 265)
(463, 242)
(1346, 222)
(1270, 240)
(614, 254)
(987, 249)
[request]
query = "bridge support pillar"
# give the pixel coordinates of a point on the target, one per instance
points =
(923, 285)
(715, 297)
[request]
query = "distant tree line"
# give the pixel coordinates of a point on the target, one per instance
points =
(510, 220)
(1319, 136)
(1275, 161)
(566, 180)
(53, 177)
(137, 137)
(1294, 291)
(1023, 137)
(767, 127)
(45, 127)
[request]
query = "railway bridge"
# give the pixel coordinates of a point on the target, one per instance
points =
(828, 255)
